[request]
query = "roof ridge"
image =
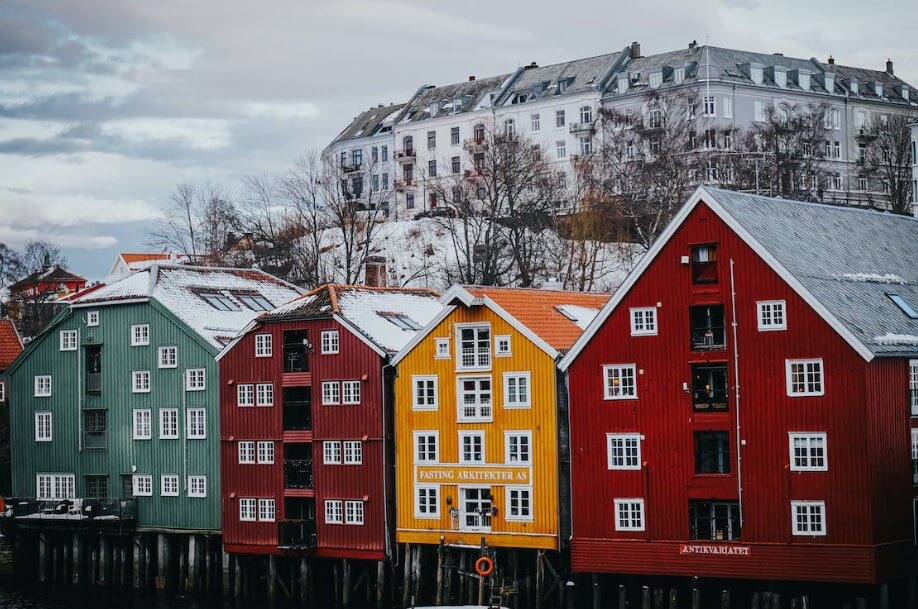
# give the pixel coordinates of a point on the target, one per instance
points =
(531, 289)
(816, 204)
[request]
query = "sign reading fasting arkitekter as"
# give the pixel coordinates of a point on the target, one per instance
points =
(465, 474)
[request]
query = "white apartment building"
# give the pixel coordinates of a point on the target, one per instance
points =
(915, 168)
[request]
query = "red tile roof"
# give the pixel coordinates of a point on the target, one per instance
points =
(10, 345)
(538, 310)
(129, 258)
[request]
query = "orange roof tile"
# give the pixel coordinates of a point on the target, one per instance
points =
(538, 310)
(10, 345)
(129, 258)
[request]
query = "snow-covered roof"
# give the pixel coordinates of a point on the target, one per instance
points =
(387, 317)
(582, 316)
(183, 289)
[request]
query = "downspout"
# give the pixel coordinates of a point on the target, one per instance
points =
(185, 429)
(79, 373)
(383, 436)
(736, 381)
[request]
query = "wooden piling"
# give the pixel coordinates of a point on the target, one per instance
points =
(94, 562)
(346, 582)
(226, 573)
(884, 595)
(162, 561)
(622, 597)
(237, 576)
(137, 555)
(43, 557)
(696, 595)
(76, 552)
(380, 584)
(272, 577)
(439, 595)
(597, 592)
(724, 599)
(481, 580)
(540, 578)
(673, 599)
(645, 597)
(105, 561)
(406, 576)
(658, 598)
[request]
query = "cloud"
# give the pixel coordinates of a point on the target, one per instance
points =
(282, 110)
(201, 134)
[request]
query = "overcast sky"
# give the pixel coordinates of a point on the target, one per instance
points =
(106, 106)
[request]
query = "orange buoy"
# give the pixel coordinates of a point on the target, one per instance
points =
(484, 566)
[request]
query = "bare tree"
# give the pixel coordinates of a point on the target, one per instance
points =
(888, 158)
(196, 222)
(36, 255)
(10, 266)
(302, 188)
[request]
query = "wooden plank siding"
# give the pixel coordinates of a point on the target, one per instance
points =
(540, 419)
(866, 431)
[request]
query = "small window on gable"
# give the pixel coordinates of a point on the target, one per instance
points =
(441, 348)
(643, 321)
(804, 377)
(68, 340)
(263, 345)
(140, 335)
(620, 381)
(92, 318)
(704, 264)
(502, 346)
(329, 341)
(771, 315)
(401, 320)
(903, 305)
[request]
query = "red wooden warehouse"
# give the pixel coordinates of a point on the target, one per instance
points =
(305, 423)
(742, 405)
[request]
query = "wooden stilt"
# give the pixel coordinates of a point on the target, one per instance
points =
(673, 599)
(622, 597)
(696, 595)
(406, 576)
(272, 577)
(237, 576)
(105, 561)
(645, 597)
(137, 555)
(380, 584)
(597, 592)
(346, 582)
(76, 551)
(540, 578)
(336, 573)
(725, 599)
(481, 580)
(162, 561)
(439, 595)
(884, 595)
(194, 554)
(44, 556)
(94, 562)
(226, 581)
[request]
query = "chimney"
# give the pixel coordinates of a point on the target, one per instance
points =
(889, 67)
(471, 78)
(374, 272)
(831, 60)
(693, 44)
(635, 49)
(531, 66)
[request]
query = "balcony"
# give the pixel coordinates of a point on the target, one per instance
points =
(475, 144)
(406, 156)
(71, 512)
(351, 167)
(296, 534)
(403, 185)
(709, 388)
(581, 128)
(298, 473)
(865, 136)
(707, 328)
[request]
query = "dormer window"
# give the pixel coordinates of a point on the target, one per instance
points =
(656, 79)
(434, 108)
(905, 91)
(853, 85)
(803, 79)
(457, 105)
(564, 84)
(755, 73)
(623, 84)
(878, 89)
(678, 75)
(781, 78)
(828, 80)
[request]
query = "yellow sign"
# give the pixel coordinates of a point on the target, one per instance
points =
(464, 474)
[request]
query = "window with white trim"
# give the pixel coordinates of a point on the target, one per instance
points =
(804, 377)
(426, 503)
(245, 394)
(264, 394)
(246, 450)
(68, 340)
(519, 503)
(624, 450)
(474, 348)
(912, 381)
(517, 390)
(710, 105)
(168, 357)
(629, 514)
(353, 452)
(197, 486)
(2, 391)
(620, 381)
(331, 392)
(728, 107)
(808, 517)
(140, 381)
(168, 485)
(266, 510)
(43, 386)
(196, 425)
(643, 321)
(471, 447)
(331, 452)
(43, 431)
(140, 335)
(92, 318)
(560, 120)
(334, 511)
(264, 345)
(195, 379)
(771, 314)
(266, 452)
(247, 509)
(441, 348)
(502, 345)
(329, 342)
(142, 485)
(808, 452)
(350, 392)
(168, 424)
(353, 512)
(426, 447)
(55, 486)
(535, 123)
(142, 424)
(474, 398)
(518, 447)
(424, 392)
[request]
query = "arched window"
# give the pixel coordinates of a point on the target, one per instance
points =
(479, 133)
(586, 114)
(408, 143)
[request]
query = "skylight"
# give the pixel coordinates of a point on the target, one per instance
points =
(563, 311)
(256, 302)
(402, 321)
(221, 302)
(906, 307)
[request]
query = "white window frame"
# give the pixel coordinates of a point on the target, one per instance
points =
(58, 486)
(809, 505)
(331, 452)
(766, 324)
(508, 497)
(608, 392)
(760, 113)
(267, 510)
(2, 391)
(165, 414)
(480, 435)
(352, 515)
(643, 321)
(92, 318)
(352, 451)
(330, 342)
(265, 452)
(192, 376)
(630, 504)
(624, 439)
(245, 452)
(140, 381)
(350, 393)
(162, 359)
(478, 355)
(142, 480)
(809, 437)
(331, 393)
(479, 406)
(264, 345)
(168, 485)
(334, 511)
(247, 509)
(140, 335)
(525, 376)
(913, 377)
(441, 348)
(425, 378)
(788, 367)
(509, 435)
(264, 394)
(728, 107)
(245, 395)
(190, 432)
(535, 122)
(44, 419)
(193, 481)
(431, 502)
(141, 424)
(42, 386)
(503, 347)
(68, 340)
(706, 109)
(427, 434)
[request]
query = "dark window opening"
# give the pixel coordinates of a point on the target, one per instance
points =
(297, 409)
(709, 387)
(254, 301)
(298, 528)
(127, 485)
(298, 466)
(712, 452)
(95, 426)
(94, 369)
(707, 326)
(97, 487)
(714, 520)
(704, 264)
(295, 351)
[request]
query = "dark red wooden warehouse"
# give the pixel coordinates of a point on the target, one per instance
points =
(742, 406)
(305, 429)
